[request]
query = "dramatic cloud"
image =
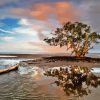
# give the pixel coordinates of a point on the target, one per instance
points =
(27, 22)
(61, 11)
(31, 28)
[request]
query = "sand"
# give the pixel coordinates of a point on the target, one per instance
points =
(39, 62)
(53, 63)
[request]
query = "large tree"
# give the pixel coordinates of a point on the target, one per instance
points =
(76, 36)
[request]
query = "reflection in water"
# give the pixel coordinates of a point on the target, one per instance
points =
(25, 84)
(75, 80)
(30, 83)
(35, 72)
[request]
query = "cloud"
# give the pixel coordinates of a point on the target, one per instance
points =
(20, 12)
(7, 38)
(38, 19)
(43, 17)
(20, 47)
(5, 31)
(31, 28)
(47, 14)
(62, 11)
(49, 49)
(28, 29)
(25, 31)
(91, 13)
(3, 2)
(24, 22)
(37, 23)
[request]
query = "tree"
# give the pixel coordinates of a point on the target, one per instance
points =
(76, 36)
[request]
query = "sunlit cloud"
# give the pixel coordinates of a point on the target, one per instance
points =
(61, 11)
(30, 28)
(49, 49)
(24, 30)
(25, 22)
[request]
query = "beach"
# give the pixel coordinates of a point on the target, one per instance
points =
(29, 82)
(40, 61)
(52, 61)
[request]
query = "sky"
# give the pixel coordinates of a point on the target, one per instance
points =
(25, 23)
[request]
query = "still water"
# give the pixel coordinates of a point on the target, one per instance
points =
(29, 83)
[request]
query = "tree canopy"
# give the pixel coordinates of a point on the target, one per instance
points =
(77, 37)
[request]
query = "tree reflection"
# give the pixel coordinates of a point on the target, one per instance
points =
(75, 80)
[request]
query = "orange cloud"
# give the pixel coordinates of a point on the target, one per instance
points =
(66, 12)
(41, 11)
(50, 49)
(20, 12)
(53, 49)
(63, 11)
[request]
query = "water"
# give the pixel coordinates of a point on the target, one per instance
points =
(7, 63)
(29, 83)
(96, 70)
(5, 56)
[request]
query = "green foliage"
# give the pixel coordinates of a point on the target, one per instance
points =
(76, 36)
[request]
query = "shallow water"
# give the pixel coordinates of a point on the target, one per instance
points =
(29, 83)
(5, 56)
(96, 70)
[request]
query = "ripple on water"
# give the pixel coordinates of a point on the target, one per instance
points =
(29, 83)
(24, 85)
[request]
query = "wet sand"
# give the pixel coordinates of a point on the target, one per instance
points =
(46, 63)
(37, 59)
(60, 63)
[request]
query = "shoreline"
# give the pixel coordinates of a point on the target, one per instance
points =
(56, 61)
(47, 61)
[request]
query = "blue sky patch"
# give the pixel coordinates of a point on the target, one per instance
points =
(9, 23)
